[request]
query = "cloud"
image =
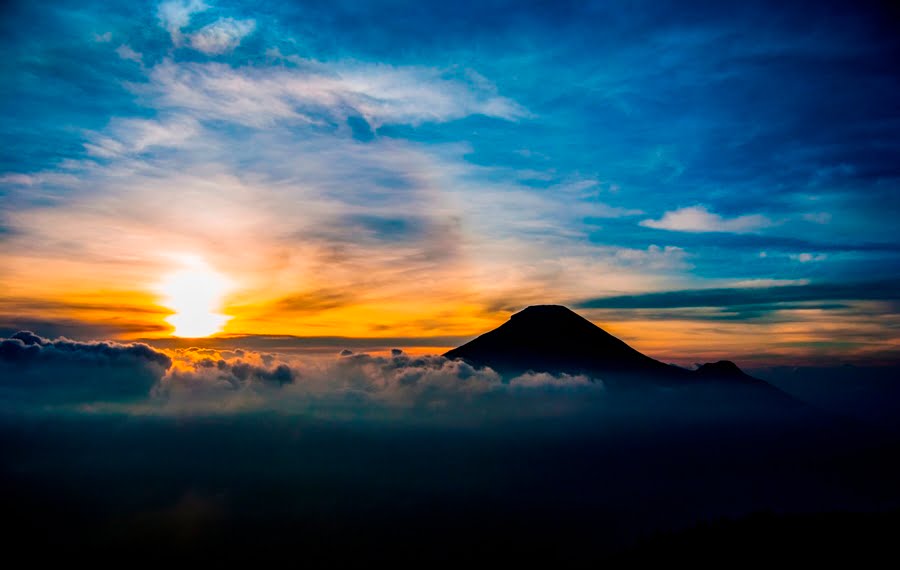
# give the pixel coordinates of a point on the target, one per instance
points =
(221, 36)
(62, 371)
(817, 217)
(131, 136)
(261, 96)
(226, 380)
(125, 52)
(65, 370)
(17, 179)
(699, 219)
(808, 257)
(174, 15)
(729, 297)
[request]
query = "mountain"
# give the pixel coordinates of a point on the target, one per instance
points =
(552, 338)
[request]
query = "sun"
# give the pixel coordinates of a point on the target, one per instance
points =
(195, 293)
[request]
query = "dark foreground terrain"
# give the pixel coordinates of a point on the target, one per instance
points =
(273, 487)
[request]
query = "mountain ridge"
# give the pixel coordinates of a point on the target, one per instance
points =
(555, 339)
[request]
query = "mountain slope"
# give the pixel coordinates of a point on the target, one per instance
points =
(552, 338)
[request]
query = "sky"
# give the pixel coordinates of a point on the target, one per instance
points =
(704, 181)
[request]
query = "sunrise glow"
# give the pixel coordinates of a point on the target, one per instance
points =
(195, 292)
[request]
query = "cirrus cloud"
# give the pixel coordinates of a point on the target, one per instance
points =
(262, 96)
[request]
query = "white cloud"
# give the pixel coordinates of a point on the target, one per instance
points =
(176, 14)
(103, 38)
(808, 257)
(221, 36)
(16, 179)
(260, 97)
(127, 136)
(125, 52)
(228, 380)
(653, 256)
(699, 219)
(817, 217)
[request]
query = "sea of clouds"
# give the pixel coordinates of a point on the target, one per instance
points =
(142, 379)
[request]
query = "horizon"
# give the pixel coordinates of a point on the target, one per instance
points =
(336, 346)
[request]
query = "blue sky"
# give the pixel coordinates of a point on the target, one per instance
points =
(409, 168)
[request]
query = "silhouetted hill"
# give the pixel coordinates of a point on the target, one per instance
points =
(553, 338)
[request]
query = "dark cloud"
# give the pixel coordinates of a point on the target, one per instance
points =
(757, 296)
(775, 242)
(26, 347)
(40, 369)
(313, 301)
(47, 305)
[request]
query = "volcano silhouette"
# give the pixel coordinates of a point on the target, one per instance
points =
(552, 338)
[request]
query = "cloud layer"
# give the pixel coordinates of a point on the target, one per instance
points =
(200, 380)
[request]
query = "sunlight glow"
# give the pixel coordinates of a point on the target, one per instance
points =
(195, 292)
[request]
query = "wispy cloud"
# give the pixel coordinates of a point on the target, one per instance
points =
(808, 257)
(174, 15)
(126, 136)
(719, 297)
(125, 52)
(221, 36)
(259, 97)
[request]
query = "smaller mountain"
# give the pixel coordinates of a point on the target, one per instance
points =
(721, 369)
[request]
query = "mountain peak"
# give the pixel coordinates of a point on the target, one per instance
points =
(553, 338)
(545, 311)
